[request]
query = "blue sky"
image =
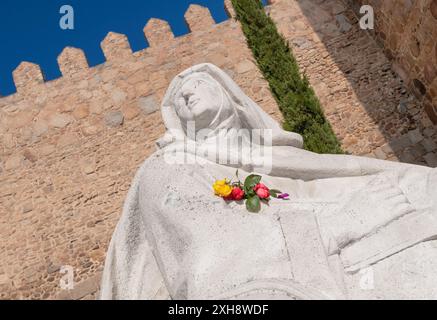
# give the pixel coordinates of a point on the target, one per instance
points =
(29, 29)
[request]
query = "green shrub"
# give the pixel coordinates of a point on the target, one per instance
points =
(296, 99)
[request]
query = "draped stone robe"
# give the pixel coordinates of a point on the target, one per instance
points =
(353, 228)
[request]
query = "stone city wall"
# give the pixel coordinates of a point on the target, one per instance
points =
(371, 110)
(70, 147)
(407, 29)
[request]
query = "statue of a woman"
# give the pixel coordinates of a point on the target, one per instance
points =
(353, 228)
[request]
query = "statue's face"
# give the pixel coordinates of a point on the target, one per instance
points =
(199, 100)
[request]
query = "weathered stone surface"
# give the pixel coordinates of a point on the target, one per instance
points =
(71, 61)
(419, 86)
(198, 18)
(429, 145)
(402, 107)
(91, 130)
(67, 139)
(116, 46)
(20, 119)
(245, 66)
(415, 47)
(431, 159)
(26, 76)
(84, 288)
(96, 107)
(89, 168)
(8, 140)
(400, 71)
(114, 118)
(52, 268)
(230, 11)
(148, 104)
(407, 157)
(433, 8)
(40, 128)
(81, 111)
(47, 149)
(27, 207)
(130, 112)
(302, 42)
(343, 23)
(431, 111)
(158, 32)
(118, 97)
(435, 52)
(387, 149)
(430, 72)
(60, 120)
(379, 154)
(30, 155)
(400, 143)
(14, 162)
(415, 136)
(4, 279)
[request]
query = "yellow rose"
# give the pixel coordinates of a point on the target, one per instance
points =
(222, 188)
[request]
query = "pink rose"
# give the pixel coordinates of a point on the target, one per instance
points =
(262, 191)
(260, 186)
(237, 194)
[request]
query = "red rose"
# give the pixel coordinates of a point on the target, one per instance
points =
(229, 198)
(237, 194)
(262, 191)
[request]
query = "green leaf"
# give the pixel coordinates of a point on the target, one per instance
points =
(251, 181)
(253, 204)
(249, 192)
(273, 194)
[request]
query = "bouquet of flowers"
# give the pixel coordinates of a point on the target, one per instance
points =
(252, 191)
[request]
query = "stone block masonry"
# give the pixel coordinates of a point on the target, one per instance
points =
(369, 106)
(70, 147)
(407, 30)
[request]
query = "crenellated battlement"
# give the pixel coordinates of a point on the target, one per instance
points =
(26, 75)
(115, 47)
(198, 18)
(72, 61)
(157, 31)
(124, 77)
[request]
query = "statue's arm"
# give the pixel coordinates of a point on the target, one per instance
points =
(301, 164)
(295, 163)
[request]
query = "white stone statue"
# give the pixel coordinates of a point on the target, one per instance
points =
(354, 227)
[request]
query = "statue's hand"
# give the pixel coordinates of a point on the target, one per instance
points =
(367, 210)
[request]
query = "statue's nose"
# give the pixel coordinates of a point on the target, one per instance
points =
(187, 96)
